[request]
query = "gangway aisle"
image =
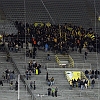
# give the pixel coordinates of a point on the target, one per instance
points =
(6, 93)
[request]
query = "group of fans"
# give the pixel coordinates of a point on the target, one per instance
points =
(8, 76)
(59, 38)
(33, 68)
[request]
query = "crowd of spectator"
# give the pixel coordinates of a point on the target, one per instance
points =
(9, 77)
(85, 83)
(33, 68)
(80, 83)
(90, 74)
(58, 38)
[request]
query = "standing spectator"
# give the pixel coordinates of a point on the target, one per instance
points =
(6, 71)
(8, 78)
(1, 82)
(46, 47)
(36, 71)
(27, 74)
(56, 90)
(13, 74)
(92, 73)
(52, 80)
(16, 86)
(49, 82)
(34, 85)
(47, 76)
(48, 57)
(16, 48)
(87, 73)
(92, 83)
(82, 85)
(78, 82)
(85, 55)
(8, 57)
(4, 76)
(34, 52)
(80, 48)
(11, 85)
(31, 85)
(74, 83)
(53, 91)
(49, 91)
(96, 74)
(71, 84)
(86, 84)
(38, 67)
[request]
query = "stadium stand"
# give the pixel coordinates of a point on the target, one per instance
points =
(68, 35)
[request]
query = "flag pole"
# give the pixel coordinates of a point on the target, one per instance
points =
(19, 87)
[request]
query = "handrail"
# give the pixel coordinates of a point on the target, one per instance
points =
(71, 61)
(88, 65)
(57, 59)
(21, 76)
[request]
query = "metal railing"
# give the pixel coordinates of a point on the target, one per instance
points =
(82, 65)
(21, 76)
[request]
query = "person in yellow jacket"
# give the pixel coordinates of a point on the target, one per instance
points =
(36, 71)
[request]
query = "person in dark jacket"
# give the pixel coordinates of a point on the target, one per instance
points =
(92, 83)
(49, 91)
(1, 83)
(16, 86)
(56, 90)
(85, 55)
(47, 76)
